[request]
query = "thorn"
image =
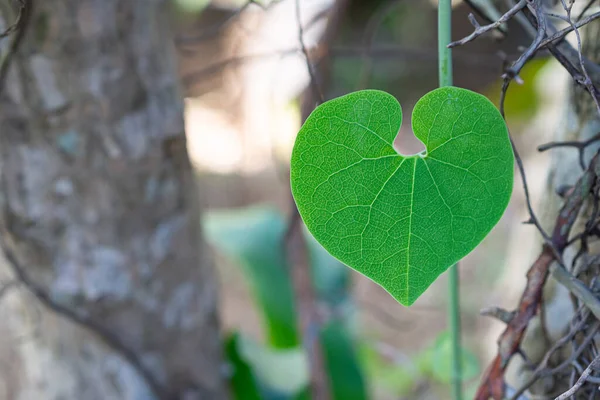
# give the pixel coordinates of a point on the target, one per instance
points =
(519, 80)
(473, 21)
(498, 313)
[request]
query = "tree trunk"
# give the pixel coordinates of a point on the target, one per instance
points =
(99, 216)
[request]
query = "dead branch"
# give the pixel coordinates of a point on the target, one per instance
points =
(509, 343)
(585, 376)
(481, 30)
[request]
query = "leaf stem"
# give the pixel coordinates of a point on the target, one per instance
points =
(444, 38)
(454, 309)
(445, 77)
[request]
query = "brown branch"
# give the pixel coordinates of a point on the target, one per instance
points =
(510, 341)
(584, 73)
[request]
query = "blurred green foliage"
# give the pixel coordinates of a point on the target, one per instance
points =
(243, 381)
(522, 101)
(197, 6)
(254, 239)
(191, 6)
(402, 374)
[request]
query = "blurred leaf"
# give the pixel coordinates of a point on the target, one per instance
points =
(253, 237)
(284, 371)
(345, 375)
(522, 101)
(471, 390)
(242, 381)
(399, 379)
(330, 277)
(440, 359)
(192, 6)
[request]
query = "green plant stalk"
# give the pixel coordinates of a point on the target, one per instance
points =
(445, 78)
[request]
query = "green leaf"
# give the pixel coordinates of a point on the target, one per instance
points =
(402, 220)
(345, 375)
(283, 371)
(253, 237)
(242, 381)
(192, 6)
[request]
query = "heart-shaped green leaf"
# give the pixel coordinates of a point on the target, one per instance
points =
(402, 220)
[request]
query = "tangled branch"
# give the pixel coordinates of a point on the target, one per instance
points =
(550, 261)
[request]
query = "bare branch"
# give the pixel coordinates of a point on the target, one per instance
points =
(582, 379)
(313, 79)
(480, 30)
(509, 343)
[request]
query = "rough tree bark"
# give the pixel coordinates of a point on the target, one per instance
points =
(98, 212)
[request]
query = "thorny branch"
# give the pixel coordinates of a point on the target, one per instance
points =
(587, 320)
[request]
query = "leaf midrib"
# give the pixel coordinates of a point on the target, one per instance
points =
(412, 202)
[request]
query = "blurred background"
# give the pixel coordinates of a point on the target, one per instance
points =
(247, 84)
(247, 88)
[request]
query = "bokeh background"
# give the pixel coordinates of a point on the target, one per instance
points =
(245, 79)
(247, 90)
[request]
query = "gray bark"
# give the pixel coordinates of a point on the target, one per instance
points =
(99, 213)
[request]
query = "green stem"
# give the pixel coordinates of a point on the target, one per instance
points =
(454, 309)
(445, 76)
(444, 35)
